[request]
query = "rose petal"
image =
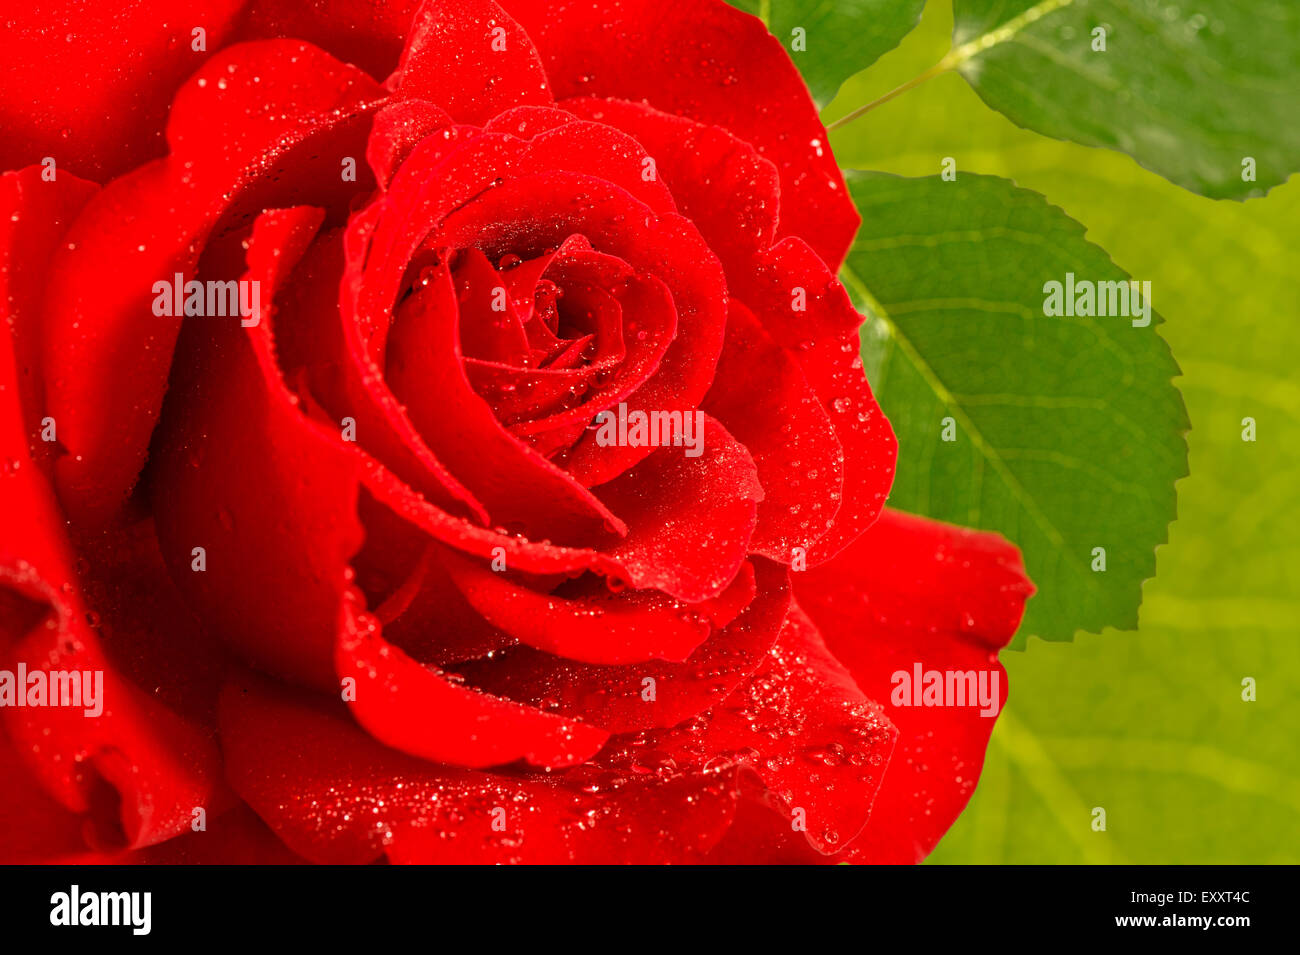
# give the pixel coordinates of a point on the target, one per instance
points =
(645, 695)
(134, 767)
(487, 333)
(34, 826)
(802, 724)
(596, 627)
(420, 518)
(720, 183)
(419, 710)
(147, 631)
(527, 121)
(913, 591)
(249, 109)
(596, 149)
(517, 485)
(237, 837)
(471, 59)
(232, 455)
(67, 95)
(784, 426)
(369, 33)
(34, 214)
(527, 216)
(807, 311)
(667, 247)
(647, 319)
(717, 65)
(689, 519)
(336, 796)
(316, 341)
(398, 128)
(438, 626)
(761, 834)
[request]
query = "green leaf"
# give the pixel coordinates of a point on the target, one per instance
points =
(1064, 434)
(840, 37)
(1193, 91)
(1148, 725)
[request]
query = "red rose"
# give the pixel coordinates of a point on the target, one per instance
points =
(513, 490)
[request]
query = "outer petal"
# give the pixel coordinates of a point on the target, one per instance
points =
(144, 625)
(135, 768)
(88, 113)
(761, 834)
(913, 591)
(336, 796)
(805, 728)
(708, 61)
(369, 33)
(254, 109)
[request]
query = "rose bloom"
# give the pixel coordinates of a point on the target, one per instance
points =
(361, 574)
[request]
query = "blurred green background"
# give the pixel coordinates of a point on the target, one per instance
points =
(1148, 725)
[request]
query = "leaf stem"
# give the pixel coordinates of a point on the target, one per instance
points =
(940, 67)
(961, 54)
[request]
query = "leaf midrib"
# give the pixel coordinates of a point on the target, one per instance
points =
(1001, 34)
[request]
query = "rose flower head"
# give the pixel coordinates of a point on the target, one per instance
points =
(441, 432)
